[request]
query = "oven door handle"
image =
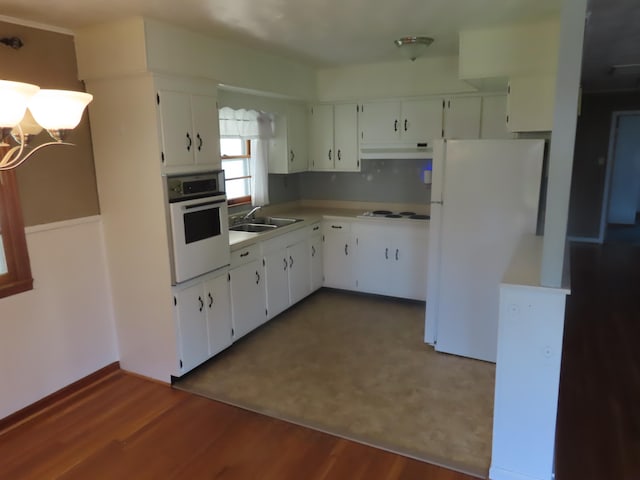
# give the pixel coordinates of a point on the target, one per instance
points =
(202, 206)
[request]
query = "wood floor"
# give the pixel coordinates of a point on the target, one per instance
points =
(125, 427)
(598, 429)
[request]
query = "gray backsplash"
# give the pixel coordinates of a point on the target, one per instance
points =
(393, 181)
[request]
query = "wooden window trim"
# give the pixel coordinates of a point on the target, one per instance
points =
(246, 199)
(18, 278)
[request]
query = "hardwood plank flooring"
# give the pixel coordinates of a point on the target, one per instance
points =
(598, 429)
(127, 427)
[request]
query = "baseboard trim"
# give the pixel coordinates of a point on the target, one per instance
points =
(45, 403)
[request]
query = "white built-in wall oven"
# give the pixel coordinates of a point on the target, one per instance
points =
(199, 226)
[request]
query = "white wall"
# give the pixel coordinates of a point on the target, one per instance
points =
(63, 329)
(425, 76)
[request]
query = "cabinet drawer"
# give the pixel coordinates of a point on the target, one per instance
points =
(337, 226)
(245, 255)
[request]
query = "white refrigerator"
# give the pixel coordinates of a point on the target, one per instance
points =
(484, 197)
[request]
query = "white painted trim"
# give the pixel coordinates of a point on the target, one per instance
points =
(62, 224)
(610, 160)
(40, 26)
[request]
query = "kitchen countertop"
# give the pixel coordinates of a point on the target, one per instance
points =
(315, 212)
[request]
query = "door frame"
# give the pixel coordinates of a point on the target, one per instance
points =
(609, 170)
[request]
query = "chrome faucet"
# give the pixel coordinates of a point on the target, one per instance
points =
(252, 213)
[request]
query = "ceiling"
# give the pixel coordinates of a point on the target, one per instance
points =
(339, 32)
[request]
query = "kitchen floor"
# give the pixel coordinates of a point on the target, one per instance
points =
(357, 366)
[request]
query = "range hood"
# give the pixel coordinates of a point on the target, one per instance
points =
(401, 151)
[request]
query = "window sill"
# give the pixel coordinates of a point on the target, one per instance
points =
(13, 288)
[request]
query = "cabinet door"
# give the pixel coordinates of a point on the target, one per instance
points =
(421, 120)
(218, 306)
(462, 117)
(192, 327)
(379, 122)
(530, 103)
(277, 282)
(373, 258)
(248, 304)
(206, 141)
(321, 137)
(297, 138)
(493, 123)
(408, 263)
(299, 271)
(338, 260)
(316, 273)
(345, 128)
(177, 136)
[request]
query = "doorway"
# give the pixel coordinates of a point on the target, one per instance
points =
(621, 201)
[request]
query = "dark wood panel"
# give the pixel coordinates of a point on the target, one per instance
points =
(598, 429)
(128, 427)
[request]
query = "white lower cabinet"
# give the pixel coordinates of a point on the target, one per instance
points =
(287, 269)
(248, 302)
(338, 258)
(203, 319)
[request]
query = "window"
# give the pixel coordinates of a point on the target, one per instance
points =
(15, 271)
(236, 163)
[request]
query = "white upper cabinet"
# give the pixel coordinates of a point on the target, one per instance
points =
(189, 124)
(462, 117)
(407, 122)
(333, 132)
(494, 118)
(530, 102)
(288, 149)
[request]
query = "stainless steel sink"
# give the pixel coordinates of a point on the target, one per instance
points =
(275, 221)
(252, 227)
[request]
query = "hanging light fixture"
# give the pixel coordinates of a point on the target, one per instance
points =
(413, 47)
(57, 111)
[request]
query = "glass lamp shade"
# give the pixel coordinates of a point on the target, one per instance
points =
(29, 125)
(14, 98)
(59, 109)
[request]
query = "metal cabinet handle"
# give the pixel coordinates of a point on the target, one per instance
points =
(199, 138)
(395, 125)
(257, 278)
(329, 154)
(405, 124)
(292, 155)
(316, 228)
(339, 156)
(336, 226)
(386, 253)
(313, 251)
(285, 264)
(189, 142)
(346, 249)
(290, 261)
(201, 303)
(397, 251)
(210, 300)
(244, 254)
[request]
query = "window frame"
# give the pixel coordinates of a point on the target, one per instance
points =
(18, 277)
(247, 156)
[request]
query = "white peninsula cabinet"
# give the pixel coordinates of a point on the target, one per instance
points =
(391, 259)
(203, 319)
(406, 122)
(333, 138)
(248, 302)
(189, 123)
(288, 148)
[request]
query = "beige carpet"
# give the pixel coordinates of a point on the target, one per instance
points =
(356, 366)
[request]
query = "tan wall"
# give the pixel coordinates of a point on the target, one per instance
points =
(58, 183)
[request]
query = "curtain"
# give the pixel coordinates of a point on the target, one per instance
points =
(260, 177)
(259, 127)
